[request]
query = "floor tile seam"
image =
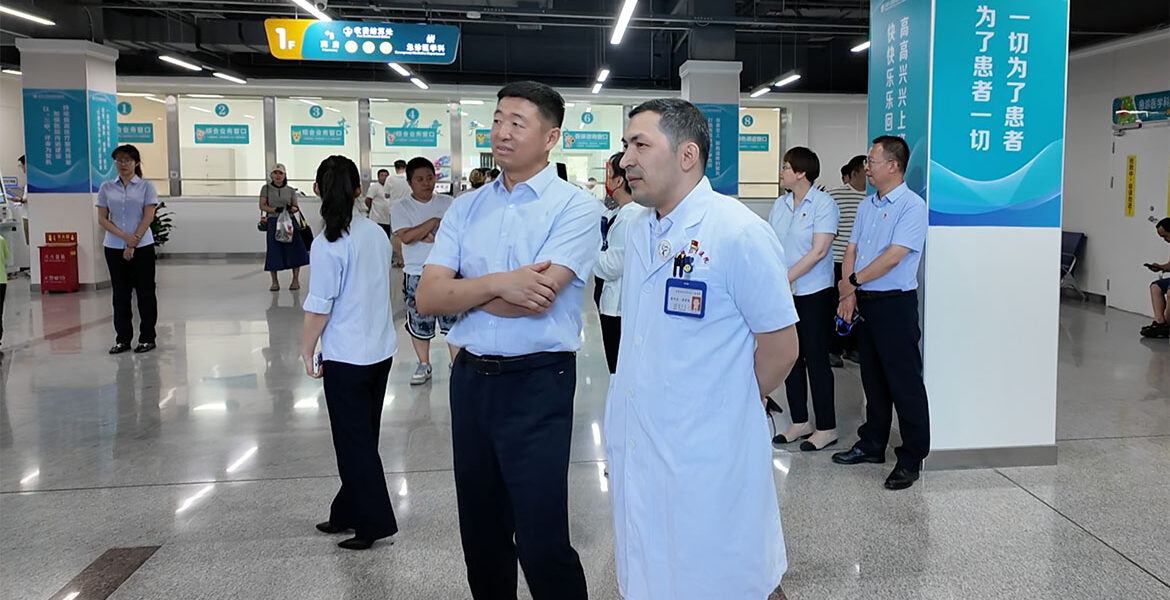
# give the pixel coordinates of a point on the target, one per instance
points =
(214, 481)
(1084, 529)
(1118, 437)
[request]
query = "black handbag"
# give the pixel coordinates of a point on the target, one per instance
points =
(304, 229)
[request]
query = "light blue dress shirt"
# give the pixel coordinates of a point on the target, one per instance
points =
(126, 205)
(493, 230)
(350, 282)
(897, 219)
(795, 226)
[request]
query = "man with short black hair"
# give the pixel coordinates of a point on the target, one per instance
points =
(377, 203)
(881, 290)
(707, 330)
(514, 257)
(1160, 290)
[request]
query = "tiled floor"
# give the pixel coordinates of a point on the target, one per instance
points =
(216, 448)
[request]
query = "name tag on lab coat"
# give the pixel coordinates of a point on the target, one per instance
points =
(686, 298)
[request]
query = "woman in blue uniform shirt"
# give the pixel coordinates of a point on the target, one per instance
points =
(126, 208)
(348, 311)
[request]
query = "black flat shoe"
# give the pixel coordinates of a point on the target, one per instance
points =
(780, 440)
(901, 478)
(356, 543)
(119, 348)
(855, 456)
(147, 347)
(811, 447)
(330, 528)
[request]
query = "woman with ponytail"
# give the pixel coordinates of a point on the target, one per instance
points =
(126, 208)
(348, 311)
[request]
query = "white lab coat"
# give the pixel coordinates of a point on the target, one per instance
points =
(690, 463)
(610, 264)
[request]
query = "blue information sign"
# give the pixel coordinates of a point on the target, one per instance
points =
(300, 39)
(135, 133)
(483, 138)
(753, 142)
(222, 110)
(103, 138)
(220, 134)
(1142, 107)
(747, 120)
(412, 136)
(587, 118)
(55, 142)
(899, 78)
(124, 108)
(316, 111)
(723, 163)
(997, 149)
(585, 140)
(308, 135)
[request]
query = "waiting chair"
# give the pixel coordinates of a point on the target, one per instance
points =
(1072, 245)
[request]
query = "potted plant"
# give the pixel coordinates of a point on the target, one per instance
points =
(161, 226)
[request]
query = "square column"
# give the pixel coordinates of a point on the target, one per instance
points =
(713, 86)
(70, 129)
(977, 89)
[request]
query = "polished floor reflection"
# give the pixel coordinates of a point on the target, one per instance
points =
(216, 449)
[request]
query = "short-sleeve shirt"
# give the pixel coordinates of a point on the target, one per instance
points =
(412, 213)
(492, 230)
(795, 226)
(127, 205)
(350, 282)
(379, 196)
(899, 219)
(847, 199)
(278, 196)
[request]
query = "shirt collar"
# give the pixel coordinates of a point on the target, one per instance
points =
(688, 212)
(808, 197)
(537, 183)
(892, 197)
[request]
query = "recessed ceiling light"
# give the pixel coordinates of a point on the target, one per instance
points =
(10, 71)
(862, 47)
(25, 16)
(180, 63)
(231, 78)
(400, 69)
(419, 83)
(596, 88)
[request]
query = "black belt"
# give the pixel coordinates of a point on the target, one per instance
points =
(498, 365)
(865, 295)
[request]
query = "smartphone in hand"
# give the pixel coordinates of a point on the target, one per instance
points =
(317, 362)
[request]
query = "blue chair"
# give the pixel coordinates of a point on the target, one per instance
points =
(1072, 245)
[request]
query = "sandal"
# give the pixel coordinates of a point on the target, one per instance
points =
(275, 287)
(296, 285)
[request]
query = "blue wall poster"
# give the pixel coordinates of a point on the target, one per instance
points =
(483, 138)
(307, 39)
(585, 140)
(997, 152)
(753, 142)
(135, 133)
(103, 138)
(899, 79)
(55, 141)
(221, 134)
(308, 135)
(412, 136)
(723, 163)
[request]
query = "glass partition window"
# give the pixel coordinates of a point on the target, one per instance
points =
(404, 130)
(142, 122)
(309, 130)
(760, 153)
(476, 120)
(221, 146)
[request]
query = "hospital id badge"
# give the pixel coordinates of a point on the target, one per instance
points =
(686, 298)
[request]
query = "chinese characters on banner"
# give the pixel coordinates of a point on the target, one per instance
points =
(585, 140)
(412, 136)
(723, 162)
(307, 135)
(56, 143)
(899, 78)
(135, 133)
(997, 118)
(221, 134)
(103, 138)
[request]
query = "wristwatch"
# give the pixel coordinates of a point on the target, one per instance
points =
(853, 280)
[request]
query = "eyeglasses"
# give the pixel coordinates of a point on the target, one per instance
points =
(877, 162)
(125, 160)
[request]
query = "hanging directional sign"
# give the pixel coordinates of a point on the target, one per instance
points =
(305, 39)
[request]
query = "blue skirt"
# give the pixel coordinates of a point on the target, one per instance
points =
(282, 256)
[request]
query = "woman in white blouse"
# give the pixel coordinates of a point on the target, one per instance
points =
(347, 310)
(613, 259)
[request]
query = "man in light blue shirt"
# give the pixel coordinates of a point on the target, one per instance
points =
(805, 220)
(881, 263)
(513, 256)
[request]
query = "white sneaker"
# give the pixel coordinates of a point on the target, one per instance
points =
(422, 374)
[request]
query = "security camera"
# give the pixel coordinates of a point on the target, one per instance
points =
(321, 4)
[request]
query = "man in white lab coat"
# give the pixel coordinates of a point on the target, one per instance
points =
(707, 329)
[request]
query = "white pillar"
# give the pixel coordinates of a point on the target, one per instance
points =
(70, 129)
(713, 86)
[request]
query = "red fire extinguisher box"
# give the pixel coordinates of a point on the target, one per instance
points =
(59, 263)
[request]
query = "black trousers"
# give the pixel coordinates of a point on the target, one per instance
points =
(511, 435)
(3, 293)
(812, 370)
(891, 374)
(354, 395)
(611, 337)
(128, 278)
(597, 285)
(838, 344)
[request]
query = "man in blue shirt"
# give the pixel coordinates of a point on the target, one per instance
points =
(512, 256)
(881, 287)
